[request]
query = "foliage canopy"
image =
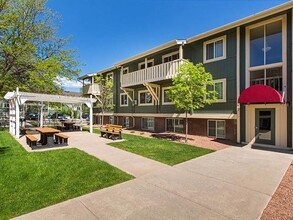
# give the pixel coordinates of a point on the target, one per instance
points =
(189, 89)
(32, 56)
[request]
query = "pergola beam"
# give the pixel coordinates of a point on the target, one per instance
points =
(19, 98)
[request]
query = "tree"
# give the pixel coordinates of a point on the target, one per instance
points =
(105, 96)
(189, 90)
(32, 57)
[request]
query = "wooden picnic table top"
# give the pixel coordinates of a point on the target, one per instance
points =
(69, 122)
(47, 130)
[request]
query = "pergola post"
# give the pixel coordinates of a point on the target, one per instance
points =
(17, 114)
(41, 116)
(16, 99)
(91, 115)
(80, 117)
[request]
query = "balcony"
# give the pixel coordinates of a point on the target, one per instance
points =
(91, 89)
(152, 74)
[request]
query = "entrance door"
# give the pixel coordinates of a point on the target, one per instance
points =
(265, 126)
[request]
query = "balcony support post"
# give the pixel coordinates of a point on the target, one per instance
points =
(126, 91)
(150, 87)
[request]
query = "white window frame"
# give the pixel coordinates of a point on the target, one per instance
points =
(168, 55)
(224, 99)
(224, 38)
(216, 128)
(125, 68)
(163, 96)
(144, 104)
(282, 64)
(173, 119)
(148, 61)
(148, 129)
(126, 120)
(110, 74)
(111, 117)
(123, 105)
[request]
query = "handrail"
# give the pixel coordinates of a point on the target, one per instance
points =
(152, 74)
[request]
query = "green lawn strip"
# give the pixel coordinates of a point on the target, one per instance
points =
(164, 151)
(30, 181)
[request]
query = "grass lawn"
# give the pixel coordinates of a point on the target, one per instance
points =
(164, 151)
(30, 181)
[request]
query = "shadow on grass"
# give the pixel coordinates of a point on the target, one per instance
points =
(3, 150)
(171, 137)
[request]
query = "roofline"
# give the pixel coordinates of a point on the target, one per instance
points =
(262, 14)
(97, 73)
(151, 51)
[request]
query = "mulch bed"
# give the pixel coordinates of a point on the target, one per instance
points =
(281, 204)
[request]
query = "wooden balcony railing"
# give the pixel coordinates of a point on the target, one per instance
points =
(151, 74)
(91, 89)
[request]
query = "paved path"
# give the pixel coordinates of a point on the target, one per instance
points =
(234, 183)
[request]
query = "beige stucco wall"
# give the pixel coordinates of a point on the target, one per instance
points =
(281, 122)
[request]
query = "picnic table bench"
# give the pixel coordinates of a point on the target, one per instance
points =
(110, 130)
(31, 140)
(23, 130)
(60, 127)
(61, 138)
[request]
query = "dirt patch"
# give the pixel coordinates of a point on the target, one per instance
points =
(281, 205)
(198, 141)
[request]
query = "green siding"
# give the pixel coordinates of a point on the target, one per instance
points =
(221, 69)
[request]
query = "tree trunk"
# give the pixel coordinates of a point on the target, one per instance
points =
(186, 127)
(102, 122)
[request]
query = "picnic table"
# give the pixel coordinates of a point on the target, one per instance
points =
(68, 125)
(47, 135)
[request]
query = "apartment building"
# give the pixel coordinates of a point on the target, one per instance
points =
(251, 63)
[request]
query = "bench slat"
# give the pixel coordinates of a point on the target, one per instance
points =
(31, 137)
(61, 135)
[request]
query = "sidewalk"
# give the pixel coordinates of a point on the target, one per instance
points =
(234, 183)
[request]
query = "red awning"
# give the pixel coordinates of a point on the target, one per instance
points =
(260, 94)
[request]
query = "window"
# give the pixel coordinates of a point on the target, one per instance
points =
(150, 63)
(220, 88)
(111, 119)
(125, 70)
(270, 77)
(148, 124)
(5, 105)
(123, 99)
(216, 128)
(215, 49)
(126, 122)
(170, 57)
(145, 98)
(266, 44)
(166, 100)
(174, 125)
(110, 76)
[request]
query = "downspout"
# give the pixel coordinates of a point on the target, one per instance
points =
(238, 84)
(291, 75)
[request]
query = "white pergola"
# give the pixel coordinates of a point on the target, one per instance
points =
(17, 99)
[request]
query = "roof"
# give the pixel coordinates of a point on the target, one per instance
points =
(89, 75)
(151, 51)
(262, 14)
(279, 8)
(26, 96)
(260, 94)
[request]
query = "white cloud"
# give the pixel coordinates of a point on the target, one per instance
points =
(74, 84)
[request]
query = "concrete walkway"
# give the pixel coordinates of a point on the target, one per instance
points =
(234, 183)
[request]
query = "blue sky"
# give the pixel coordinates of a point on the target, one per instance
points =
(107, 31)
